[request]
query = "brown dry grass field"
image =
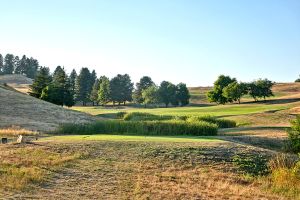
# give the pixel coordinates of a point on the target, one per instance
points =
(145, 167)
(18, 109)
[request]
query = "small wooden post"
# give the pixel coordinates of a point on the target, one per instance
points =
(4, 140)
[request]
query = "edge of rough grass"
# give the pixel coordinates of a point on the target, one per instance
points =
(130, 138)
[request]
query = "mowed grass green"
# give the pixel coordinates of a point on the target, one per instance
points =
(215, 110)
(129, 138)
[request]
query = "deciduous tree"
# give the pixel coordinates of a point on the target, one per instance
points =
(183, 95)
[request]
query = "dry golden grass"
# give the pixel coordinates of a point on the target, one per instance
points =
(23, 166)
(15, 131)
(15, 79)
(285, 176)
(22, 110)
(148, 170)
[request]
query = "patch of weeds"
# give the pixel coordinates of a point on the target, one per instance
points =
(253, 165)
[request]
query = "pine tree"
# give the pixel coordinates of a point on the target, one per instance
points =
(94, 93)
(104, 91)
(41, 81)
(1, 64)
(92, 79)
(8, 67)
(32, 66)
(58, 92)
(17, 65)
(23, 65)
(72, 82)
(82, 86)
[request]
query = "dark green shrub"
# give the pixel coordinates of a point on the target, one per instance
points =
(140, 128)
(294, 135)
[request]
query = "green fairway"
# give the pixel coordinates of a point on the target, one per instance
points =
(72, 138)
(216, 110)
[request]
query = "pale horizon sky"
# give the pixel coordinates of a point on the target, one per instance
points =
(190, 41)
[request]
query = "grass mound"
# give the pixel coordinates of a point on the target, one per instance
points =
(141, 128)
(141, 116)
(221, 123)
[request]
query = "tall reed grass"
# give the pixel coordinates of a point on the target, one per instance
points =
(140, 116)
(141, 128)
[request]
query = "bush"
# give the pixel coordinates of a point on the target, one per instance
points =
(285, 175)
(221, 123)
(120, 115)
(141, 128)
(294, 136)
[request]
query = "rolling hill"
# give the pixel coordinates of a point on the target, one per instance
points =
(17, 109)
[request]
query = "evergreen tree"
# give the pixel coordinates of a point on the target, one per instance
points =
(72, 82)
(21, 69)
(32, 66)
(94, 93)
(82, 86)
(42, 80)
(183, 94)
(8, 67)
(17, 65)
(58, 92)
(1, 64)
(104, 91)
(144, 83)
(92, 79)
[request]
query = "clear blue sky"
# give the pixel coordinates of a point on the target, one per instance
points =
(191, 41)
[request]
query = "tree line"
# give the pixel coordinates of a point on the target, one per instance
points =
(63, 89)
(11, 64)
(227, 89)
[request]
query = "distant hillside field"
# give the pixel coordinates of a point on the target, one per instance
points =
(280, 90)
(17, 81)
(17, 109)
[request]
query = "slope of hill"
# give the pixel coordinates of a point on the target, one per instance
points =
(280, 90)
(17, 109)
(17, 81)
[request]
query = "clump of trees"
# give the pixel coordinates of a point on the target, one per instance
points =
(61, 89)
(11, 64)
(227, 89)
(298, 79)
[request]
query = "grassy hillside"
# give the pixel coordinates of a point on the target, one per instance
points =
(17, 109)
(16, 81)
(281, 90)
